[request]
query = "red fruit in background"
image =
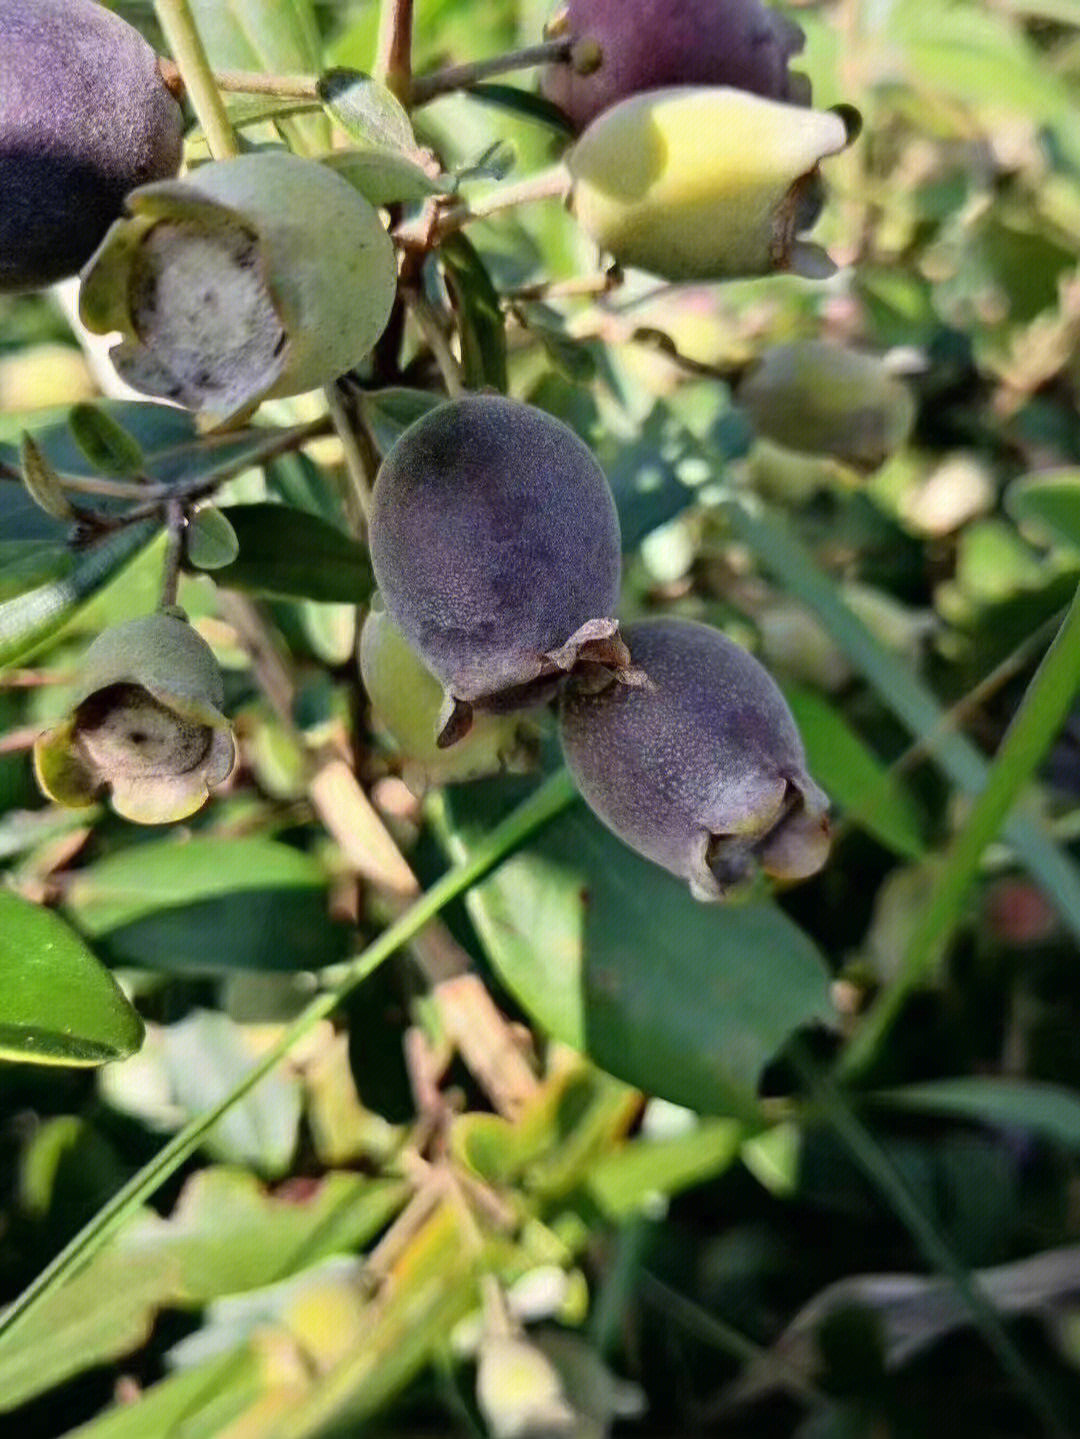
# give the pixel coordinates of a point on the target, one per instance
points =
(649, 44)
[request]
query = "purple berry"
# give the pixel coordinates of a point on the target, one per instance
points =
(84, 117)
(495, 544)
(651, 44)
(702, 769)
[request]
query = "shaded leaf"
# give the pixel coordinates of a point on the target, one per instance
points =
(480, 316)
(911, 1312)
(853, 777)
(389, 413)
(30, 618)
(1046, 1109)
(208, 905)
(109, 447)
(58, 1004)
(524, 103)
(295, 554)
(1050, 500)
(610, 953)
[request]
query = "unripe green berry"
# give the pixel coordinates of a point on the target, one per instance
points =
(146, 724)
(406, 700)
(696, 183)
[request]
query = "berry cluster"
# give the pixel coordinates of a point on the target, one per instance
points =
(494, 535)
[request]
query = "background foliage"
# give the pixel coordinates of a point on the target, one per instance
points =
(664, 1137)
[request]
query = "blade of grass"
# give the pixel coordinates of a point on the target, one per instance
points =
(879, 1168)
(780, 552)
(549, 800)
(1033, 729)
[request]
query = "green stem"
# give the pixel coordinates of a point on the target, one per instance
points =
(176, 20)
(549, 800)
(1036, 724)
(782, 554)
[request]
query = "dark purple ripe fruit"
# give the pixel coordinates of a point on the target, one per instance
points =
(651, 44)
(495, 543)
(702, 769)
(84, 117)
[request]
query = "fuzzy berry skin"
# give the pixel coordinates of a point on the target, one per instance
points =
(702, 770)
(84, 117)
(495, 543)
(649, 44)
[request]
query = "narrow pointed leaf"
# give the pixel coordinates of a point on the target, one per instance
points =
(42, 482)
(105, 443)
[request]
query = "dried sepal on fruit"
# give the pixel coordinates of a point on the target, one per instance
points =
(702, 769)
(495, 544)
(406, 701)
(705, 183)
(85, 117)
(145, 724)
(261, 276)
(650, 44)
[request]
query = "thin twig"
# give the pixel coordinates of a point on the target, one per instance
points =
(393, 56)
(185, 42)
(360, 459)
(578, 285)
(427, 322)
(550, 184)
(176, 523)
(460, 77)
(251, 82)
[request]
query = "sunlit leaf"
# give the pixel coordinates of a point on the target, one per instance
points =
(58, 1004)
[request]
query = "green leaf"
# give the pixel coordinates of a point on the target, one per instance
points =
(42, 482)
(199, 1403)
(389, 413)
(104, 1312)
(110, 449)
(1046, 1109)
(276, 37)
(294, 554)
(1051, 501)
(30, 618)
(199, 1060)
(611, 954)
(482, 322)
(227, 1234)
(524, 103)
(58, 1004)
(384, 177)
(871, 797)
(780, 553)
(208, 905)
(371, 115)
(626, 1180)
(210, 541)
